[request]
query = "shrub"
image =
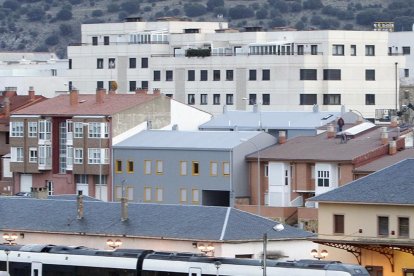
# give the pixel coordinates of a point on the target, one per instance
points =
(35, 14)
(52, 40)
(64, 15)
(212, 4)
(261, 14)
(11, 4)
(112, 8)
(65, 29)
(193, 10)
(312, 4)
(130, 7)
(240, 11)
(97, 13)
(277, 22)
(295, 7)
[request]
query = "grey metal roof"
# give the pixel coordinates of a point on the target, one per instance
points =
(187, 139)
(145, 220)
(244, 120)
(393, 185)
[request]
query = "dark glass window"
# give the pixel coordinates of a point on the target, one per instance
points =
(191, 99)
(266, 74)
(99, 84)
(191, 75)
(266, 99)
(252, 75)
(111, 63)
(370, 50)
(370, 99)
(252, 99)
(331, 99)
(216, 75)
(144, 62)
(332, 74)
(94, 40)
(157, 75)
(70, 63)
(338, 50)
(216, 99)
(229, 75)
(353, 50)
(132, 63)
(406, 50)
(203, 75)
(132, 85)
(370, 74)
(383, 226)
(99, 63)
(403, 227)
(169, 75)
(308, 74)
(308, 99)
(229, 99)
(106, 40)
(300, 49)
(314, 49)
(339, 224)
(144, 84)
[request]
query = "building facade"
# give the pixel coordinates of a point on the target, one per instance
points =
(207, 65)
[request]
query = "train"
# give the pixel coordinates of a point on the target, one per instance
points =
(52, 260)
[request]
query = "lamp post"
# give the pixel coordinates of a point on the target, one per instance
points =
(114, 244)
(258, 175)
(7, 251)
(206, 249)
(314, 253)
(278, 227)
(10, 238)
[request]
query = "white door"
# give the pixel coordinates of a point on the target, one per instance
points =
(194, 271)
(36, 269)
(101, 192)
(26, 183)
(83, 188)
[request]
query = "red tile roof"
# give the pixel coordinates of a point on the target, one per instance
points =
(87, 105)
(385, 161)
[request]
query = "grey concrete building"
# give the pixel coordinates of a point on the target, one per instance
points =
(182, 167)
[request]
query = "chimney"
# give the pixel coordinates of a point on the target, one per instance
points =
(124, 209)
(282, 137)
(79, 201)
(31, 93)
(6, 103)
(10, 91)
(175, 127)
(330, 131)
(100, 94)
(392, 148)
(384, 135)
(39, 192)
(141, 91)
(394, 121)
(73, 96)
(156, 91)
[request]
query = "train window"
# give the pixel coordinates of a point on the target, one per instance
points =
(36, 272)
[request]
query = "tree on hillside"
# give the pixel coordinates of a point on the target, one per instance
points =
(193, 10)
(212, 4)
(240, 11)
(312, 4)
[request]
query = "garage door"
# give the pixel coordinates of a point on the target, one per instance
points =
(25, 183)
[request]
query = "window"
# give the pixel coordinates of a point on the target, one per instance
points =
(338, 50)
(383, 226)
(132, 63)
(70, 67)
(144, 84)
(32, 155)
(130, 166)
(300, 49)
(99, 84)
(332, 74)
(229, 75)
(314, 49)
(144, 62)
(370, 50)
(17, 154)
(106, 40)
(252, 99)
(266, 74)
(159, 167)
(331, 99)
(191, 99)
(406, 50)
(169, 75)
(353, 50)
(32, 126)
(229, 99)
(195, 196)
(406, 73)
(16, 129)
(203, 75)
(286, 177)
(94, 40)
(157, 75)
(266, 170)
(323, 178)
(203, 99)
(213, 168)
(308, 74)
(339, 224)
(216, 75)
(183, 195)
(111, 63)
(252, 75)
(226, 168)
(403, 227)
(45, 129)
(191, 75)
(307, 99)
(147, 166)
(369, 99)
(370, 74)
(132, 85)
(216, 99)
(265, 99)
(183, 167)
(195, 168)
(118, 166)
(78, 158)
(159, 194)
(98, 130)
(53, 72)
(99, 63)
(45, 155)
(78, 130)
(147, 193)
(49, 185)
(98, 156)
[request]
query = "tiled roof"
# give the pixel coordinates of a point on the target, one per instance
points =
(392, 185)
(172, 139)
(87, 105)
(385, 161)
(321, 148)
(144, 220)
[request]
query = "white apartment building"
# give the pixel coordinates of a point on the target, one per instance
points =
(402, 43)
(43, 71)
(207, 65)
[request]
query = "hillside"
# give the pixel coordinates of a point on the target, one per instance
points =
(50, 25)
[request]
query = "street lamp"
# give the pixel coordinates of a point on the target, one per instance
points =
(324, 253)
(10, 238)
(114, 244)
(278, 227)
(258, 175)
(206, 249)
(7, 251)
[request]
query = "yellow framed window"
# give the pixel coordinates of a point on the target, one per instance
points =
(159, 194)
(195, 196)
(213, 168)
(159, 167)
(226, 168)
(183, 195)
(183, 167)
(147, 194)
(130, 166)
(147, 166)
(195, 168)
(118, 166)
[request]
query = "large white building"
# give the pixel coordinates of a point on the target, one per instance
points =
(207, 65)
(43, 71)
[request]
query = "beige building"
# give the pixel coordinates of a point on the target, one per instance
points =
(370, 221)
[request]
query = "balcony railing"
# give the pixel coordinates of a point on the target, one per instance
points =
(237, 54)
(118, 43)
